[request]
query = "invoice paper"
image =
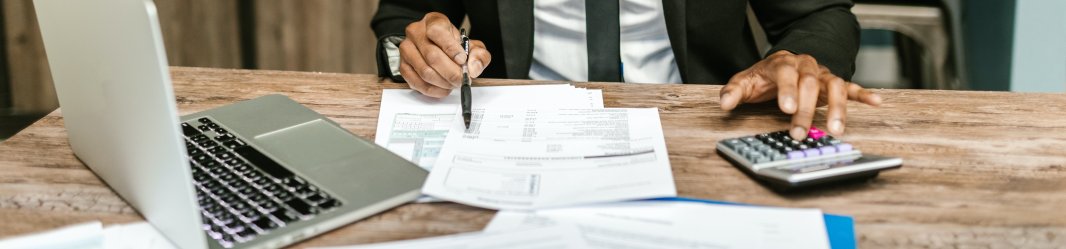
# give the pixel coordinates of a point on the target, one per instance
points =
(414, 126)
(553, 236)
(665, 224)
(535, 158)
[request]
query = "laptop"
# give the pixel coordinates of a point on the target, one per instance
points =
(261, 173)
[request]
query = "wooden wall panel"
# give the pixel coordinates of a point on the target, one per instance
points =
(30, 81)
(315, 35)
(201, 33)
(303, 35)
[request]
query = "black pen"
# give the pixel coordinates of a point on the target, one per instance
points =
(465, 90)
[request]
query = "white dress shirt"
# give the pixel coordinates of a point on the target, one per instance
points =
(560, 46)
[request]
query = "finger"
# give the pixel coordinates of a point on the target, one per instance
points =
(479, 58)
(416, 83)
(409, 53)
(857, 93)
(440, 31)
(735, 91)
(807, 99)
(838, 103)
(786, 77)
(450, 73)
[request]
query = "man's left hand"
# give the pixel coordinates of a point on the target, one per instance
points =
(800, 85)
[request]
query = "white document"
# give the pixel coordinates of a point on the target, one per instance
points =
(665, 224)
(561, 237)
(92, 235)
(88, 235)
(135, 236)
(525, 159)
(414, 126)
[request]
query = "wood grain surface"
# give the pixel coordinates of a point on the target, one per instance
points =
(981, 169)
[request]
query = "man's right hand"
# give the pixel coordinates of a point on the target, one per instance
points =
(431, 57)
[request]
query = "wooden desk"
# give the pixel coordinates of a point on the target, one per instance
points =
(981, 169)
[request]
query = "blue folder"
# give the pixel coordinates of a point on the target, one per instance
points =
(841, 229)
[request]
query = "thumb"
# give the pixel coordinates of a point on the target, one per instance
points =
(732, 94)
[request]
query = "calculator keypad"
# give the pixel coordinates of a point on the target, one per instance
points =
(777, 146)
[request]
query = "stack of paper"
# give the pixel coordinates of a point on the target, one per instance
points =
(641, 224)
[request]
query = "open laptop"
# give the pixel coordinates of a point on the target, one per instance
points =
(261, 173)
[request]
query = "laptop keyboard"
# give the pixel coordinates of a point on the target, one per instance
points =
(242, 192)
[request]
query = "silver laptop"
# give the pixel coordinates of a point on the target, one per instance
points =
(261, 173)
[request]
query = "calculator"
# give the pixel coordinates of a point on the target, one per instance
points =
(785, 163)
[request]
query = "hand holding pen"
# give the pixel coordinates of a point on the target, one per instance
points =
(431, 56)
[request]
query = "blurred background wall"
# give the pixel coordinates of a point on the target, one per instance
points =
(1007, 45)
(300, 35)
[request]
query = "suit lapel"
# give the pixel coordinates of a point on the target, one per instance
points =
(675, 14)
(516, 30)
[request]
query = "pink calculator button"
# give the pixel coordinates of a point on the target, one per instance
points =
(815, 133)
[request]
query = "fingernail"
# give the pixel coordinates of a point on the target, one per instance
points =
(799, 132)
(475, 68)
(725, 95)
(790, 104)
(460, 58)
(836, 126)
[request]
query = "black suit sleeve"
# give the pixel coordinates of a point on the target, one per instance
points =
(393, 16)
(824, 29)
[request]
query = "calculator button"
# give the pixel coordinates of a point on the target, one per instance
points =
(815, 133)
(768, 151)
(843, 147)
(760, 147)
(812, 152)
(826, 150)
(777, 156)
(796, 155)
(760, 159)
(733, 143)
(749, 140)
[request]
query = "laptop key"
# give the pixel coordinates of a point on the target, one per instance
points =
(236, 143)
(199, 137)
(224, 156)
(265, 223)
(300, 206)
(199, 158)
(224, 137)
(188, 130)
(246, 191)
(328, 204)
(250, 214)
(284, 215)
(216, 150)
(207, 144)
(268, 206)
(283, 196)
(246, 234)
(264, 163)
(273, 188)
(306, 190)
(315, 198)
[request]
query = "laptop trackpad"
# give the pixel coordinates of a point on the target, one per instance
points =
(312, 146)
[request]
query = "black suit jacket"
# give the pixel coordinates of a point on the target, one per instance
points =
(711, 39)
